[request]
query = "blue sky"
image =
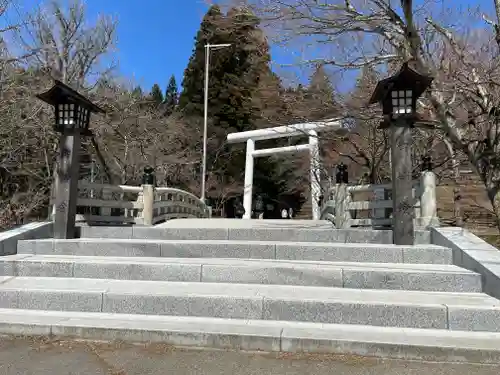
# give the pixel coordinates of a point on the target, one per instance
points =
(156, 37)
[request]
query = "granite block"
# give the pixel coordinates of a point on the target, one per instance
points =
(491, 278)
(422, 237)
(427, 255)
(214, 249)
(471, 252)
(318, 311)
(46, 231)
(368, 236)
(460, 241)
(9, 245)
(286, 234)
(255, 274)
(8, 299)
(339, 253)
(43, 247)
(107, 247)
(138, 271)
(471, 263)
(474, 319)
(412, 280)
(123, 232)
(51, 300)
(36, 268)
(481, 256)
(207, 306)
(9, 239)
(182, 234)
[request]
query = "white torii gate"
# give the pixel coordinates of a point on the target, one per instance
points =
(309, 128)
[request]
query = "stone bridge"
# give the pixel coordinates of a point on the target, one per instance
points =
(142, 205)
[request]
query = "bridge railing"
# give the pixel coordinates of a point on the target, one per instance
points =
(109, 204)
(371, 205)
(171, 203)
(145, 204)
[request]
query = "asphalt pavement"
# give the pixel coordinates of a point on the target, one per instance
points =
(44, 357)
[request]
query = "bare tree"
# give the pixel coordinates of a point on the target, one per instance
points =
(26, 147)
(135, 133)
(60, 46)
(64, 43)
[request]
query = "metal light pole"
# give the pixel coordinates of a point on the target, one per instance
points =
(205, 114)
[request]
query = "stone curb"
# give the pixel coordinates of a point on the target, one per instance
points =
(36, 230)
(472, 253)
(285, 337)
(387, 308)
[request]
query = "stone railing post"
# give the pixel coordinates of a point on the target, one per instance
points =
(342, 198)
(148, 195)
(106, 195)
(379, 195)
(342, 201)
(428, 204)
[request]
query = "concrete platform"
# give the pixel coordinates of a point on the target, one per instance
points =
(428, 277)
(325, 251)
(266, 336)
(250, 223)
(387, 308)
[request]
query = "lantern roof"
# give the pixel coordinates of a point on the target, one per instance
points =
(406, 78)
(61, 92)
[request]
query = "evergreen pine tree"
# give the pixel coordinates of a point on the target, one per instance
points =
(234, 78)
(192, 95)
(236, 101)
(320, 97)
(171, 96)
(234, 72)
(137, 92)
(156, 94)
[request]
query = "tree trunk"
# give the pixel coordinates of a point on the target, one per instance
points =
(457, 197)
(494, 197)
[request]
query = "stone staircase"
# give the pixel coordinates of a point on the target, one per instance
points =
(305, 212)
(271, 285)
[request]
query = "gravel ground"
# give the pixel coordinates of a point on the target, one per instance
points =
(29, 356)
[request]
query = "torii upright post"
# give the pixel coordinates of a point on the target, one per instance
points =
(315, 174)
(248, 188)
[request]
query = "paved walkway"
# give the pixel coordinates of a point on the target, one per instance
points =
(245, 223)
(29, 357)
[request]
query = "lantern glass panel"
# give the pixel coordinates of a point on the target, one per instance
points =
(85, 118)
(66, 117)
(402, 101)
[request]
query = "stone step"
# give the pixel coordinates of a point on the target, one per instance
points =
(240, 230)
(258, 335)
(428, 277)
(336, 252)
(387, 308)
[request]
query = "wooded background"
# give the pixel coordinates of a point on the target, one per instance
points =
(162, 127)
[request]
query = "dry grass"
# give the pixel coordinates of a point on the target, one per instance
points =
(476, 209)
